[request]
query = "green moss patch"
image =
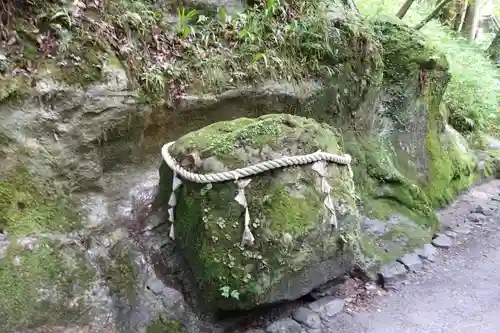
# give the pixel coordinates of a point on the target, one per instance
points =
(286, 209)
(121, 274)
(225, 140)
(161, 325)
(29, 205)
(40, 281)
(39, 284)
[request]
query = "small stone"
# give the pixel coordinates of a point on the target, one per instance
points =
(307, 317)
(442, 241)
(482, 210)
(4, 249)
(462, 230)
(286, 325)
(28, 243)
(314, 330)
(451, 234)
(496, 198)
(428, 252)
(328, 307)
(475, 217)
(16, 261)
(376, 227)
(392, 272)
(412, 262)
(255, 331)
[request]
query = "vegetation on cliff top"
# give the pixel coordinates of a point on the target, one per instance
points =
(200, 51)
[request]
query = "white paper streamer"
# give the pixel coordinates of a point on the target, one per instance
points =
(330, 216)
(172, 202)
(247, 238)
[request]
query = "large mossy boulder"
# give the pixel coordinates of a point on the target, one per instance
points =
(414, 123)
(295, 250)
(410, 161)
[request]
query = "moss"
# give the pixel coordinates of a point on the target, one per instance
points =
(13, 87)
(405, 52)
(76, 58)
(288, 213)
(285, 209)
(225, 139)
(379, 179)
(398, 241)
(44, 268)
(219, 229)
(450, 170)
(121, 274)
(160, 325)
(31, 205)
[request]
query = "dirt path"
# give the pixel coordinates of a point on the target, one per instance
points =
(460, 292)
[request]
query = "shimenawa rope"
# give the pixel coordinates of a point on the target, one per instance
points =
(319, 160)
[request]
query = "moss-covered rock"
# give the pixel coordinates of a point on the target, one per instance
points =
(45, 282)
(411, 162)
(160, 325)
(415, 78)
(45, 274)
(28, 204)
(294, 250)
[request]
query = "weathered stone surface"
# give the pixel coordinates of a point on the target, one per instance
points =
(480, 209)
(328, 307)
(76, 135)
(392, 239)
(450, 233)
(442, 241)
(286, 325)
(476, 218)
(307, 317)
(286, 211)
(412, 262)
(428, 252)
(374, 226)
(462, 230)
(392, 272)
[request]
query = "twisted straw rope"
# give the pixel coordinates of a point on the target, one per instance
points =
(252, 169)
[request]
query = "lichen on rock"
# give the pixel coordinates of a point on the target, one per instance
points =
(294, 250)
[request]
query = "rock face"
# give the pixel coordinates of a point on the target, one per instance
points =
(296, 248)
(65, 222)
(413, 162)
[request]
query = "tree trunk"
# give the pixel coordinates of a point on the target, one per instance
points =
(494, 49)
(404, 8)
(472, 19)
(461, 9)
(434, 13)
(448, 14)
